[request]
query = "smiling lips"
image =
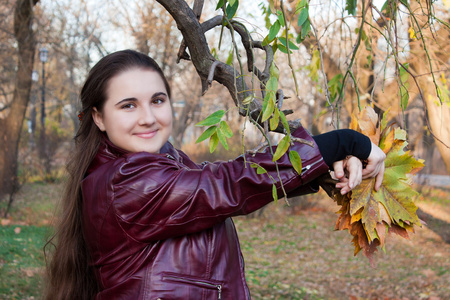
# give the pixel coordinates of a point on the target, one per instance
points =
(146, 135)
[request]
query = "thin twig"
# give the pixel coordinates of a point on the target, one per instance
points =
(286, 32)
(322, 67)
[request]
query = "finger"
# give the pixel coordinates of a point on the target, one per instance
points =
(379, 178)
(342, 183)
(345, 190)
(338, 167)
(354, 168)
(371, 170)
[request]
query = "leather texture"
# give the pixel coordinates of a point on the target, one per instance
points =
(158, 226)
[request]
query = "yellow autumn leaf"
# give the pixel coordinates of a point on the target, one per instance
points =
(412, 33)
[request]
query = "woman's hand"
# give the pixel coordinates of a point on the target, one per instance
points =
(375, 166)
(349, 172)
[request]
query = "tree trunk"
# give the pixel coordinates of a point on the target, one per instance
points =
(11, 126)
(438, 114)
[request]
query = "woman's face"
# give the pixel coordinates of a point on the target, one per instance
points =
(136, 115)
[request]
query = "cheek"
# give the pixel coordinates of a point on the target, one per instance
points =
(167, 117)
(120, 122)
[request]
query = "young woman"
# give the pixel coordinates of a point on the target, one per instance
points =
(140, 220)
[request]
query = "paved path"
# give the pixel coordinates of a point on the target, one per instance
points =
(442, 181)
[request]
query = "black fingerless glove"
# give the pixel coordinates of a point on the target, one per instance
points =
(337, 144)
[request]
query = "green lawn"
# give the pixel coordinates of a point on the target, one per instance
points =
(21, 261)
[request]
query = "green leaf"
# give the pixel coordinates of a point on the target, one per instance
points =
(303, 16)
(296, 161)
(212, 119)
(260, 170)
(214, 53)
(285, 123)
(219, 4)
(299, 38)
(274, 29)
(272, 6)
(275, 119)
(213, 142)
(384, 120)
(336, 80)
(350, 7)
(206, 134)
(404, 97)
(222, 139)
(283, 48)
(274, 193)
(268, 105)
(306, 28)
(404, 75)
(272, 84)
(274, 72)
(275, 47)
(292, 46)
(301, 4)
(280, 18)
(266, 41)
(282, 147)
(335, 86)
(225, 129)
(248, 99)
(230, 57)
(231, 9)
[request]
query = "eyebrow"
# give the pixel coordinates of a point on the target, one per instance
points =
(157, 94)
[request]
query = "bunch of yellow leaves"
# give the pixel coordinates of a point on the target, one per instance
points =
(369, 215)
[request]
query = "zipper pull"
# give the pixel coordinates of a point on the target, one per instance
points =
(306, 168)
(219, 288)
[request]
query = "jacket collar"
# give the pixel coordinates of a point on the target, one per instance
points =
(107, 151)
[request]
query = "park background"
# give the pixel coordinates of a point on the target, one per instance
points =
(291, 252)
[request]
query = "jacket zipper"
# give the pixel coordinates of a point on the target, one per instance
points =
(304, 169)
(198, 282)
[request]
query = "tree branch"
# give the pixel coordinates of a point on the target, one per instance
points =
(205, 64)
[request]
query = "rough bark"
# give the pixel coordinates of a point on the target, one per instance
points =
(10, 127)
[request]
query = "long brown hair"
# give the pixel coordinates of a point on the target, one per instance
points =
(69, 274)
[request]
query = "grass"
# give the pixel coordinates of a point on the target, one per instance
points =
(21, 261)
(309, 260)
(290, 253)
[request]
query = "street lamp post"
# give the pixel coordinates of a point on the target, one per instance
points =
(43, 56)
(34, 78)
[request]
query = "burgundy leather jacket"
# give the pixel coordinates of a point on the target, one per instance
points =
(158, 226)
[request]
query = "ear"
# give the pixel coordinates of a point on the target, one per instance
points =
(98, 119)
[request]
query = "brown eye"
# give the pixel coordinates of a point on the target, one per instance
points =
(158, 101)
(128, 106)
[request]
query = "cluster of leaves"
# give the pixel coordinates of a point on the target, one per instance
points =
(218, 130)
(369, 215)
(283, 40)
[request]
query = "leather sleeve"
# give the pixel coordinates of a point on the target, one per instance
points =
(161, 198)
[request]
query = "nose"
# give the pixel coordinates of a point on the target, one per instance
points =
(146, 116)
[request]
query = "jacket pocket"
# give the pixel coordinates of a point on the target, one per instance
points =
(194, 281)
